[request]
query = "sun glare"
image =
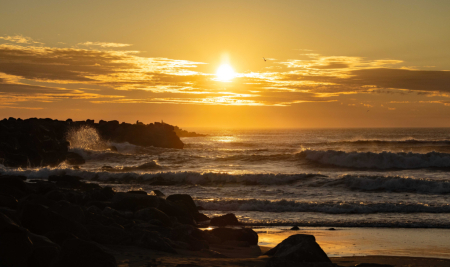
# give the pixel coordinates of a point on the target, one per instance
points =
(225, 73)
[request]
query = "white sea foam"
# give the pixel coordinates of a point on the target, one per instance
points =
(337, 207)
(383, 160)
(391, 184)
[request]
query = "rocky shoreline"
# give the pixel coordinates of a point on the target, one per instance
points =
(53, 222)
(43, 142)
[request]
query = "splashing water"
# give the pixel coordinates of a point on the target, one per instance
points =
(86, 137)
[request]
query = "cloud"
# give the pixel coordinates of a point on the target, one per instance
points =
(103, 44)
(19, 39)
(43, 74)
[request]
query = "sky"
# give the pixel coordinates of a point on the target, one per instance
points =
(231, 64)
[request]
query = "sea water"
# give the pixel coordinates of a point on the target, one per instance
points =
(397, 178)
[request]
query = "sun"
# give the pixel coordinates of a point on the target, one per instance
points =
(225, 73)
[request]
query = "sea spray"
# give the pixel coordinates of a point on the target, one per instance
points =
(87, 138)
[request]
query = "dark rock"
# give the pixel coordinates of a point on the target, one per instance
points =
(44, 251)
(295, 228)
(134, 202)
(190, 235)
(109, 235)
(65, 180)
(58, 237)
(157, 193)
(373, 265)
(296, 250)
(331, 229)
(12, 214)
(15, 244)
(77, 252)
(55, 195)
(14, 181)
(152, 214)
(73, 158)
(8, 202)
(151, 240)
(37, 199)
(184, 201)
(12, 191)
(236, 243)
(228, 219)
(200, 217)
(42, 142)
(245, 234)
(137, 192)
(40, 220)
(113, 148)
(70, 211)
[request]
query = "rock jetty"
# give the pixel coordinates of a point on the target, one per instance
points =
(42, 142)
(52, 222)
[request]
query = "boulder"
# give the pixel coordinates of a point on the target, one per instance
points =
(59, 237)
(8, 202)
(14, 181)
(40, 220)
(157, 193)
(109, 235)
(73, 158)
(152, 214)
(228, 219)
(151, 240)
(297, 250)
(15, 244)
(66, 180)
(190, 235)
(184, 201)
(44, 251)
(134, 202)
(76, 252)
(245, 234)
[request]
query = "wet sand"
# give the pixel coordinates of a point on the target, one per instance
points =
(421, 247)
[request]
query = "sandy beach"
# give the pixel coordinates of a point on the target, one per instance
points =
(373, 247)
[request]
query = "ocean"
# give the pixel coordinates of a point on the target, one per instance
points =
(396, 178)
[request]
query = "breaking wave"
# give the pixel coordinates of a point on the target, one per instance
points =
(323, 207)
(383, 160)
(391, 184)
(384, 142)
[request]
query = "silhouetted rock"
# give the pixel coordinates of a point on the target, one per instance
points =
(183, 133)
(15, 245)
(134, 202)
(77, 252)
(42, 142)
(8, 201)
(73, 158)
(227, 219)
(40, 220)
(295, 228)
(245, 234)
(151, 240)
(296, 250)
(152, 214)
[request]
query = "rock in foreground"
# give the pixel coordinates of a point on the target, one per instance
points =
(298, 250)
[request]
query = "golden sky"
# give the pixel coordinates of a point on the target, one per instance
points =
(265, 64)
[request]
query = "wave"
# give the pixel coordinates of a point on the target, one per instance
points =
(168, 178)
(323, 207)
(390, 184)
(383, 160)
(256, 157)
(383, 142)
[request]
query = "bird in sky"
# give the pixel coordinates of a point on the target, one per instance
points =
(264, 59)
